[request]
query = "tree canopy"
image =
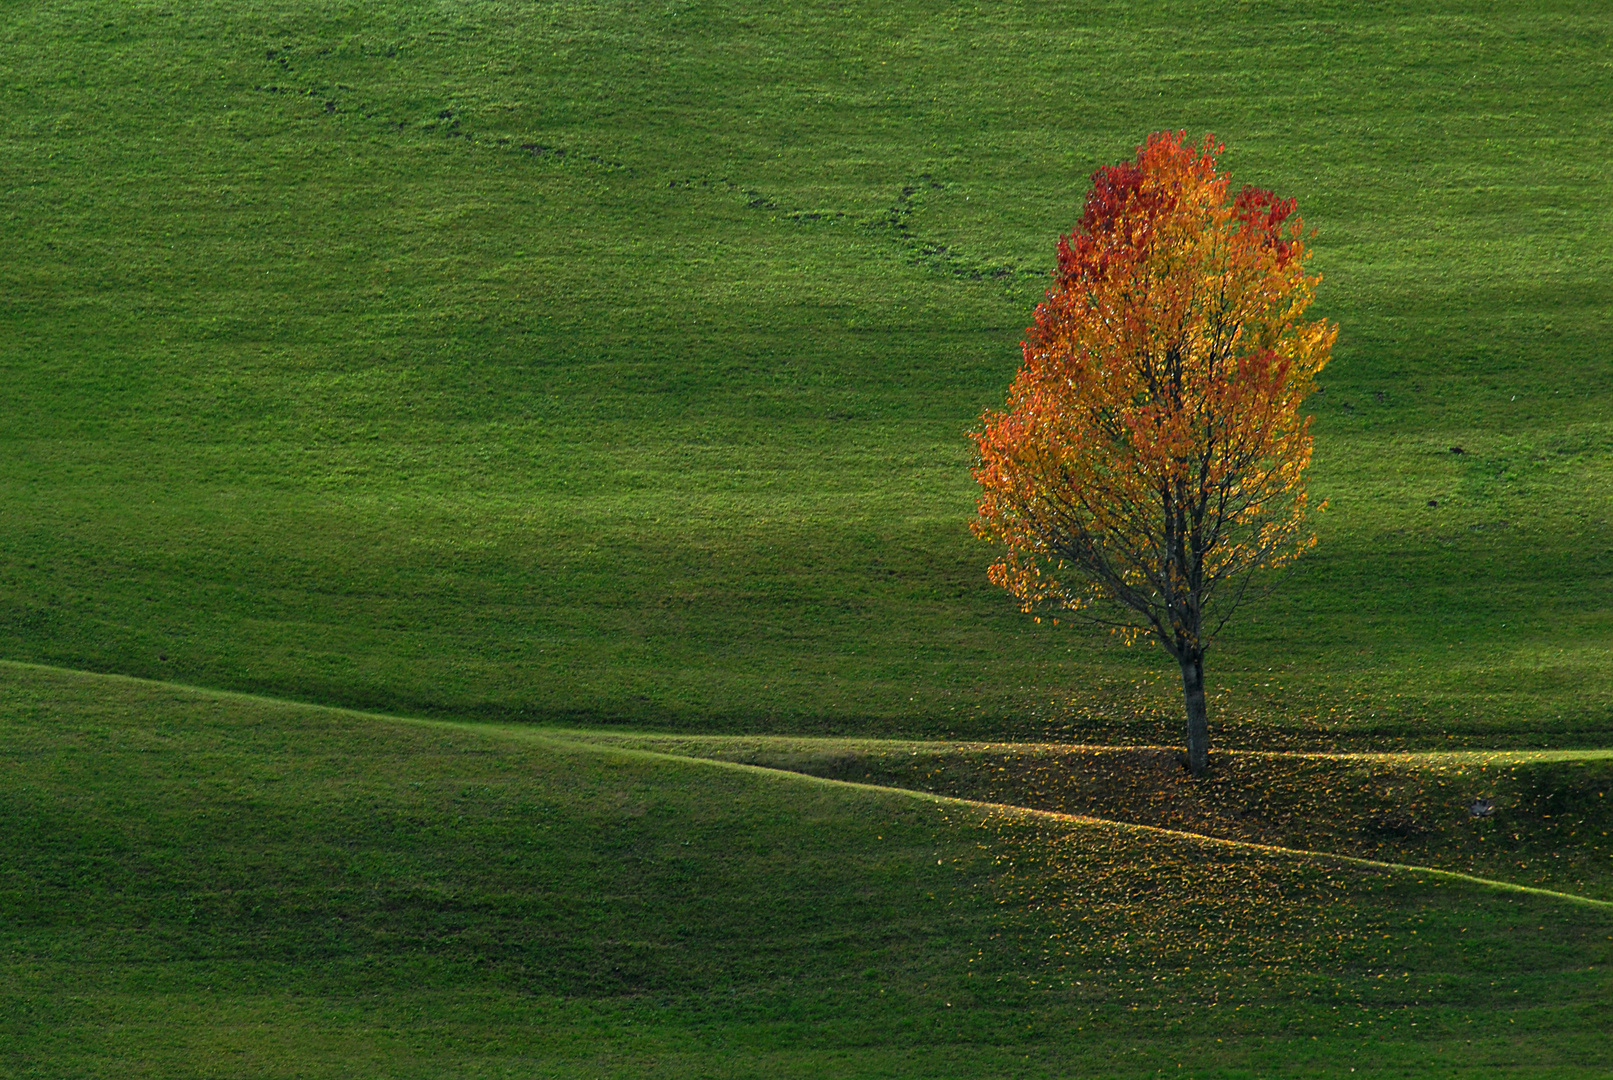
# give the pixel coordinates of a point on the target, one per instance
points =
(1152, 455)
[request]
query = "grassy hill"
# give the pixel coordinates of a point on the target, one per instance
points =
(510, 370)
(1543, 816)
(197, 884)
(609, 363)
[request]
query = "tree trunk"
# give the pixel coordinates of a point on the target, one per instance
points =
(1198, 719)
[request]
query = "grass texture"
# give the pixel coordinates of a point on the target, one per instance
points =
(611, 363)
(1538, 819)
(199, 884)
(523, 367)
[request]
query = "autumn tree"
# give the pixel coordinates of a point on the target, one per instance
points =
(1151, 459)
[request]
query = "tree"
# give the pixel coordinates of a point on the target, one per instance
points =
(1152, 456)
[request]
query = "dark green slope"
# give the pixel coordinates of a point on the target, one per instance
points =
(1546, 824)
(197, 885)
(614, 362)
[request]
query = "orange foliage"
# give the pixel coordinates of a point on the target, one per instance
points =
(1152, 455)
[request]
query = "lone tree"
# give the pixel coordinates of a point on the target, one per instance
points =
(1152, 456)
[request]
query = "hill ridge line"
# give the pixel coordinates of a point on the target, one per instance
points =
(1027, 811)
(559, 738)
(1520, 755)
(610, 736)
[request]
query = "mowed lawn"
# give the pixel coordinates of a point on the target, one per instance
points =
(613, 363)
(515, 368)
(1536, 819)
(203, 885)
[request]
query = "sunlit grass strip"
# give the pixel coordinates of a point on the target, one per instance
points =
(617, 738)
(1074, 819)
(824, 742)
(1273, 849)
(611, 743)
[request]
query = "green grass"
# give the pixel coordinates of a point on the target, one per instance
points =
(521, 368)
(319, 384)
(197, 884)
(1547, 826)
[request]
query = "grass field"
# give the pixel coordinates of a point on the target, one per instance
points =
(1547, 826)
(206, 885)
(584, 387)
(612, 363)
